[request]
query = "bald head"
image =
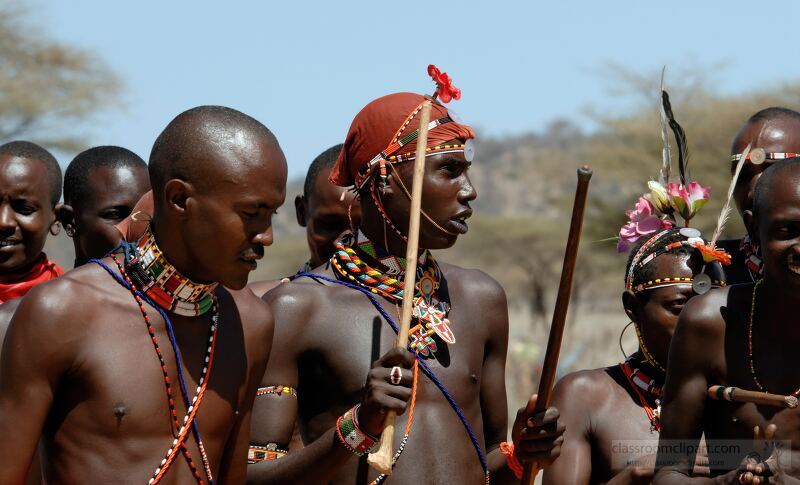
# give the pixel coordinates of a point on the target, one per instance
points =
(769, 191)
(773, 129)
(218, 177)
(192, 146)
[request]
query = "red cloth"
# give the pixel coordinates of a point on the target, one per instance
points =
(131, 229)
(375, 126)
(17, 285)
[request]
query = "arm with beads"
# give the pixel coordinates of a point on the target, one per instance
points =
(274, 415)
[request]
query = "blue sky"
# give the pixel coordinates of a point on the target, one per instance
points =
(305, 68)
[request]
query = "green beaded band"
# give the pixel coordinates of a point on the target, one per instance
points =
(355, 440)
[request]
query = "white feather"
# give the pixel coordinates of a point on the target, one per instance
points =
(726, 209)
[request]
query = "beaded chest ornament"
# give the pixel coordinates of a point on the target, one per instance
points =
(429, 310)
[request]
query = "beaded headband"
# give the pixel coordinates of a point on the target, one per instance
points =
(759, 155)
(701, 283)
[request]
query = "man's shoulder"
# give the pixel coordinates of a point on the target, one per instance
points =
(705, 315)
(252, 309)
(64, 305)
(592, 383)
(76, 288)
(475, 282)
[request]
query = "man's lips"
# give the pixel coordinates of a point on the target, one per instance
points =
(9, 243)
(251, 257)
(459, 222)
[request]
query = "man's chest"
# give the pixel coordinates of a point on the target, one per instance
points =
(341, 347)
(127, 381)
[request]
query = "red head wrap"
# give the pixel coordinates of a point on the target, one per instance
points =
(377, 126)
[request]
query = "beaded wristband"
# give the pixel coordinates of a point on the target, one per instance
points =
(256, 454)
(507, 449)
(351, 436)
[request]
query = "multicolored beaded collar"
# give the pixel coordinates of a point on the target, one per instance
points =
(159, 280)
(430, 308)
(644, 387)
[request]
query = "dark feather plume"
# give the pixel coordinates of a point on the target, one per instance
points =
(680, 139)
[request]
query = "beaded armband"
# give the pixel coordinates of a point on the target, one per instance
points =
(351, 436)
(513, 463)
(256, 454)
(277, 390)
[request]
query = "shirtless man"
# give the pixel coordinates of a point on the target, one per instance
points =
(744, 336)
(607, 411)
(101, 187)
(86, 363)
(332, 342)
(776, 133)
(324, 209)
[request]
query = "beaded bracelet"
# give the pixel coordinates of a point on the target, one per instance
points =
(256, 454)
(351, 436)
(513, 463)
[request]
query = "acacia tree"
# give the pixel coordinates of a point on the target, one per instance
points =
(46, 86)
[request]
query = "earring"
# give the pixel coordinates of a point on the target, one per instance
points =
(620, 339)
(69, 229)
(55, 228)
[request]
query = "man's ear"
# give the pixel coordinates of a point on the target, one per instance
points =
(177, 193)
(632, 305)
(300, 210)
(751, 224)
(65, 214)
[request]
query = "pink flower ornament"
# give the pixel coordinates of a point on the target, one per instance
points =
(688, 200)
(643, 220)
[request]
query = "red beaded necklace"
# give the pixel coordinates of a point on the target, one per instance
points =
(635, 376)
(750, 359)
(182, 430)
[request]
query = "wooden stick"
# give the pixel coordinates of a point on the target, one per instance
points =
(734, 394)
(381, 460)
(562, 304)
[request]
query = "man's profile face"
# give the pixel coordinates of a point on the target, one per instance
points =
(26, 211)
(230, 221)
(773, 136)
(778, 224)
(660, 307)
(446, 195)
(324, 215)
(111, 194)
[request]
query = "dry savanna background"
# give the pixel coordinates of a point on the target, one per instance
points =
(525, 185)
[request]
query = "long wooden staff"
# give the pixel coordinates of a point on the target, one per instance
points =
(562, 303)
(381, 460)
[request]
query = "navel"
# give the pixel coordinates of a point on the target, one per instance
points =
(120, 410)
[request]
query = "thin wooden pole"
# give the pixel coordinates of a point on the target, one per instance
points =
(381, 460)
(562, 305)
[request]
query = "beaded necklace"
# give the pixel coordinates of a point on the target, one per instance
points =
(429, 310)
(643, 386)
(750, 359)
(646, 353)
(755, 266)
(179, 442)
(159, 280)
